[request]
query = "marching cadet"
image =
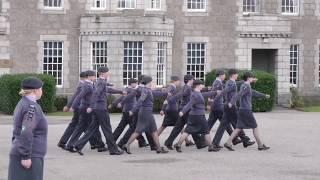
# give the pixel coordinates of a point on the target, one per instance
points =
(170, 110)
(84, 98)
(127, 103)
(230, 114)
(75, 119)
(100, 114)
(136, 94)
(216, 105)
(146, 121)
(29, 141)
(197, 123)
(184, 95)
(246, 119)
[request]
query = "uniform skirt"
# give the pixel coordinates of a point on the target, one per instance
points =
(146, 121)
(197, 124)
(246, 119)
(170, 118)
(18, 172)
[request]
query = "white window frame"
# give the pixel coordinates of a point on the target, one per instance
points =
(196, 10)
(103, 54)
(127, 64)
(294, 64)
(193, 58)
(249, 6)
(161, 63)
(103, 4)
(150, 8)
(296, 7)
(126, 7)
(53, 7)
(52, 63)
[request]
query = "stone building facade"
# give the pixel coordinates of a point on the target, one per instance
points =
(163, 38)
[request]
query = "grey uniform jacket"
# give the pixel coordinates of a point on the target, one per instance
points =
(30, 130)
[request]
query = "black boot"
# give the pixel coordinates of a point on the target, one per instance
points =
(70, 149)
(144, 144)
(169, 146)
(126, 148)
(162, 151)
(78, 150)
(62, 145)
(213, 148)
(248, 143)
(116, 153)
(263, 147)
(102, 149)
(228, 146)
(236, 141)
(190, 143)
(178, 148)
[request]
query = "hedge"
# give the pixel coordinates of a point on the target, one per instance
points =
(266, 84)
(10, 87)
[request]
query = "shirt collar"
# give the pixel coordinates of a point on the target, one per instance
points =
(32, 98)
(218, 79)
(89, 81)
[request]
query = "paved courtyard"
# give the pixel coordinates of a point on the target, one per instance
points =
(294, 155)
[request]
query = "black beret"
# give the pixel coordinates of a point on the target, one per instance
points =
(219, 72)
(83, 74)
(31, 83)
(247, 75)
(175, 78)
(103, 69)
(233, 71)
(146, 79)
(188, 77)
(91, 73)
(132, 80)
(197, 82)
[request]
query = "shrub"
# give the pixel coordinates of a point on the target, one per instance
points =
(157, 103)
(266, 84)
(10, 87)
(60, 102)
(110, 99)
(296, 100)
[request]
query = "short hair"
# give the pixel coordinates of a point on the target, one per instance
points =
(247, 75)
(220, 72)
(187, 78)
(232, 72)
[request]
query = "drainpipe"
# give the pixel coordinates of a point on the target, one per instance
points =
(80, 52)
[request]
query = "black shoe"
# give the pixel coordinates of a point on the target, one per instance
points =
(121, 147)
(247, 144)
(178, 148)
(142, 145)
(153, 148)
(263, 148)
(102, 149)
(190, 143)
(70, 149)
(228, 146)
(218, 146)
(168, 146)
(213, 148)
(78, 150)
(236, 141)
(202, 146)
(126, 149)
(162, 151)
(62, 145)
(94, 147)
(116, 153)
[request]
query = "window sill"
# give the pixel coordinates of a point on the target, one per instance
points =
(290, 14)
(53, 11)
(125, 9)
(97, 9)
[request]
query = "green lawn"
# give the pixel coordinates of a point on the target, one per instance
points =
(311, 109)
(60, 114)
